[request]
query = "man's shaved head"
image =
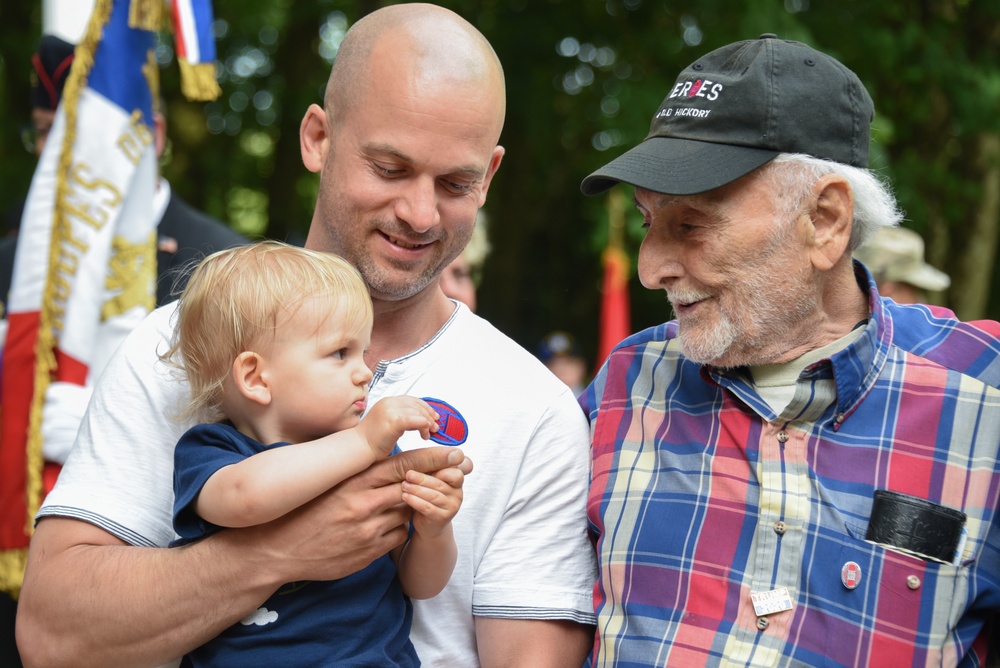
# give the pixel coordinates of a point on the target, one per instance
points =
(437, 45)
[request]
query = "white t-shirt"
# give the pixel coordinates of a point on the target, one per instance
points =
(523, 549)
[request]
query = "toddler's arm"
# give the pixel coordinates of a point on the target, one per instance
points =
(269, 484)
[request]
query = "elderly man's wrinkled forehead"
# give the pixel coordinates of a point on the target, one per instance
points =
(710, 199)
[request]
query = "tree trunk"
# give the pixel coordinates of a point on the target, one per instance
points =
(971, 289)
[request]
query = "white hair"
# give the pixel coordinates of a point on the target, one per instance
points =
(875, 205)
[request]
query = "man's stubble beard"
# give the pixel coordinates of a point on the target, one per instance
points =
(767, 310)
(389, 285)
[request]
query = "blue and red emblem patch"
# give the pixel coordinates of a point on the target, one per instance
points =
(452, 427)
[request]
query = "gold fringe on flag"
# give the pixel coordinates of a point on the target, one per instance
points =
(146, 15)
(83, 62)
(198, 81)
(12, 563)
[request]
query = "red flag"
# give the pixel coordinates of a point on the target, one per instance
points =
(615, 322)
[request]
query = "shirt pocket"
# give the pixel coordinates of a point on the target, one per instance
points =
(901, 609)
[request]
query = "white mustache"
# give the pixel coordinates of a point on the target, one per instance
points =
(685, 297)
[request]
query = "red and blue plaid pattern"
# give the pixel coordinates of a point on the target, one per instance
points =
(701, 495)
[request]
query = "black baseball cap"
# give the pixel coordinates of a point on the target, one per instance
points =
(50, 69)
(737, 108)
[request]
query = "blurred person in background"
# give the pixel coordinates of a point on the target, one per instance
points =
(460, 279)
(561, 354)
(895, 256)
(50, 67)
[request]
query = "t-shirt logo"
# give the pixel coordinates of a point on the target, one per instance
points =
(452, 427)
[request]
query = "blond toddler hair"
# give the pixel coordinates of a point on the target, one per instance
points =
(235, 300)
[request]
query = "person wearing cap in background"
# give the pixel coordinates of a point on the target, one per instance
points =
(895, 256)
(794, 471)
(49, 70)
(50, 67)
(560, 353)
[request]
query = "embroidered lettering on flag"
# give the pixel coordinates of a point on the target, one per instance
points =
(85, 266)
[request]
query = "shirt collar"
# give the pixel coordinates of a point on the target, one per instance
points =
(854, 369)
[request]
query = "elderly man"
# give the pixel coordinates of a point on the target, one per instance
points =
(795, 471)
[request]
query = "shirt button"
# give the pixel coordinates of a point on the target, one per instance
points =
(762, 623)
(779, 528)
(913, 582)
(782, 437)
(840, 418)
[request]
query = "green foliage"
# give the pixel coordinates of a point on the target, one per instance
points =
(16, 47)
(584, 78)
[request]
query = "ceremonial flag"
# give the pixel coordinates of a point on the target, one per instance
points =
(195, 48)
(85, 266)
(615, 319)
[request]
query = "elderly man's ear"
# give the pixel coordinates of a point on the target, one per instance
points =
(830, 217)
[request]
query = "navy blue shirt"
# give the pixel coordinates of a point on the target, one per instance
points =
(360, 620)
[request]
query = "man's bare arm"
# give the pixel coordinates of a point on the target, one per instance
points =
(530, 643)
(89, 599)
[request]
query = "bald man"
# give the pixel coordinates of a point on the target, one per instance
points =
(406, 148)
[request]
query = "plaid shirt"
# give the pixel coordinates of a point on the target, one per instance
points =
(701, 496)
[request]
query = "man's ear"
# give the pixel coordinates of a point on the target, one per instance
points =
(250, 379)
(314, 138)
(494, 165)
(831, 219)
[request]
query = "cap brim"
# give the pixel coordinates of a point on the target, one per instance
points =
(923, 276)
(677, 166)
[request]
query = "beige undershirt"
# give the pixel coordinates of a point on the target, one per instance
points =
(775, 383)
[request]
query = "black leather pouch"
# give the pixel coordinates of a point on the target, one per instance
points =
(915, 525)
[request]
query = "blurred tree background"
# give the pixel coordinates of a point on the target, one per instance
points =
(583, 80)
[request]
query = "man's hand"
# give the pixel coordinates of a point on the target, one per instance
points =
(90, 600)
(354, 523)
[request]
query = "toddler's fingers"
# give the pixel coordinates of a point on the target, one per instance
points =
(453, 476)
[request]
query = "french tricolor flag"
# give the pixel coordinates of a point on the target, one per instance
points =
(195, 47)
(85, 266)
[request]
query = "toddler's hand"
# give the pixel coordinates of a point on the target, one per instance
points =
(388, 419)
(434, 497)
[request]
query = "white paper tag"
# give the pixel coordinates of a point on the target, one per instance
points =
(960, 550)
(770, 602)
